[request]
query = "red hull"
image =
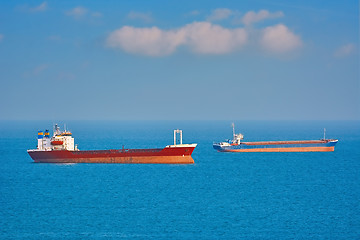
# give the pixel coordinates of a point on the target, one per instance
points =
(168, 155)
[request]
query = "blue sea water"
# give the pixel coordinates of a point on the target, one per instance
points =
(221, 196)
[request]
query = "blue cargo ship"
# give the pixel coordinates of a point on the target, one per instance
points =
(237, 145)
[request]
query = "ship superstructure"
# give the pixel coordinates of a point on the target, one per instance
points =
(60, 148)
(59, 140)
(237, 145)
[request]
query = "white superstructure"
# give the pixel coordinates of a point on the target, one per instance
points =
(235, 141)
(59, 140)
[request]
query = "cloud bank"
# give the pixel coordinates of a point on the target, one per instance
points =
(199, 37)
(206, 37)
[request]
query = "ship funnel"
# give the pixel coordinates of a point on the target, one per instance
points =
(47, 134)
(40, 134)
(40, 140)
(175, 133)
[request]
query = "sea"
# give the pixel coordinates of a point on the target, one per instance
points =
(222, 196)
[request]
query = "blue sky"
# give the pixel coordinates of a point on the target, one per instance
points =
(179, 60)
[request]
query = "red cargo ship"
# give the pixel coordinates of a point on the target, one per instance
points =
(61, 149)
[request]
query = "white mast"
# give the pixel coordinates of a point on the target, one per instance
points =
(233, 126)
(175, 132)
(324, 132)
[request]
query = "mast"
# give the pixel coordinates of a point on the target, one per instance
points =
(324, 133)
(175, 132)
(233, 126)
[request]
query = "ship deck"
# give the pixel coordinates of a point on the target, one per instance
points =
(287, 142)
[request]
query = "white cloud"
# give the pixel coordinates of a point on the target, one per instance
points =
(77, 12)
(219, 14)
(200, 37)
(252, 17)
(147, 41)
(345, 50)
(207, 38)
(42, 7)
(279, 39)
(145, 17)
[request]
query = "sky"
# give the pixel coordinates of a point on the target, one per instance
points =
(179, 60)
